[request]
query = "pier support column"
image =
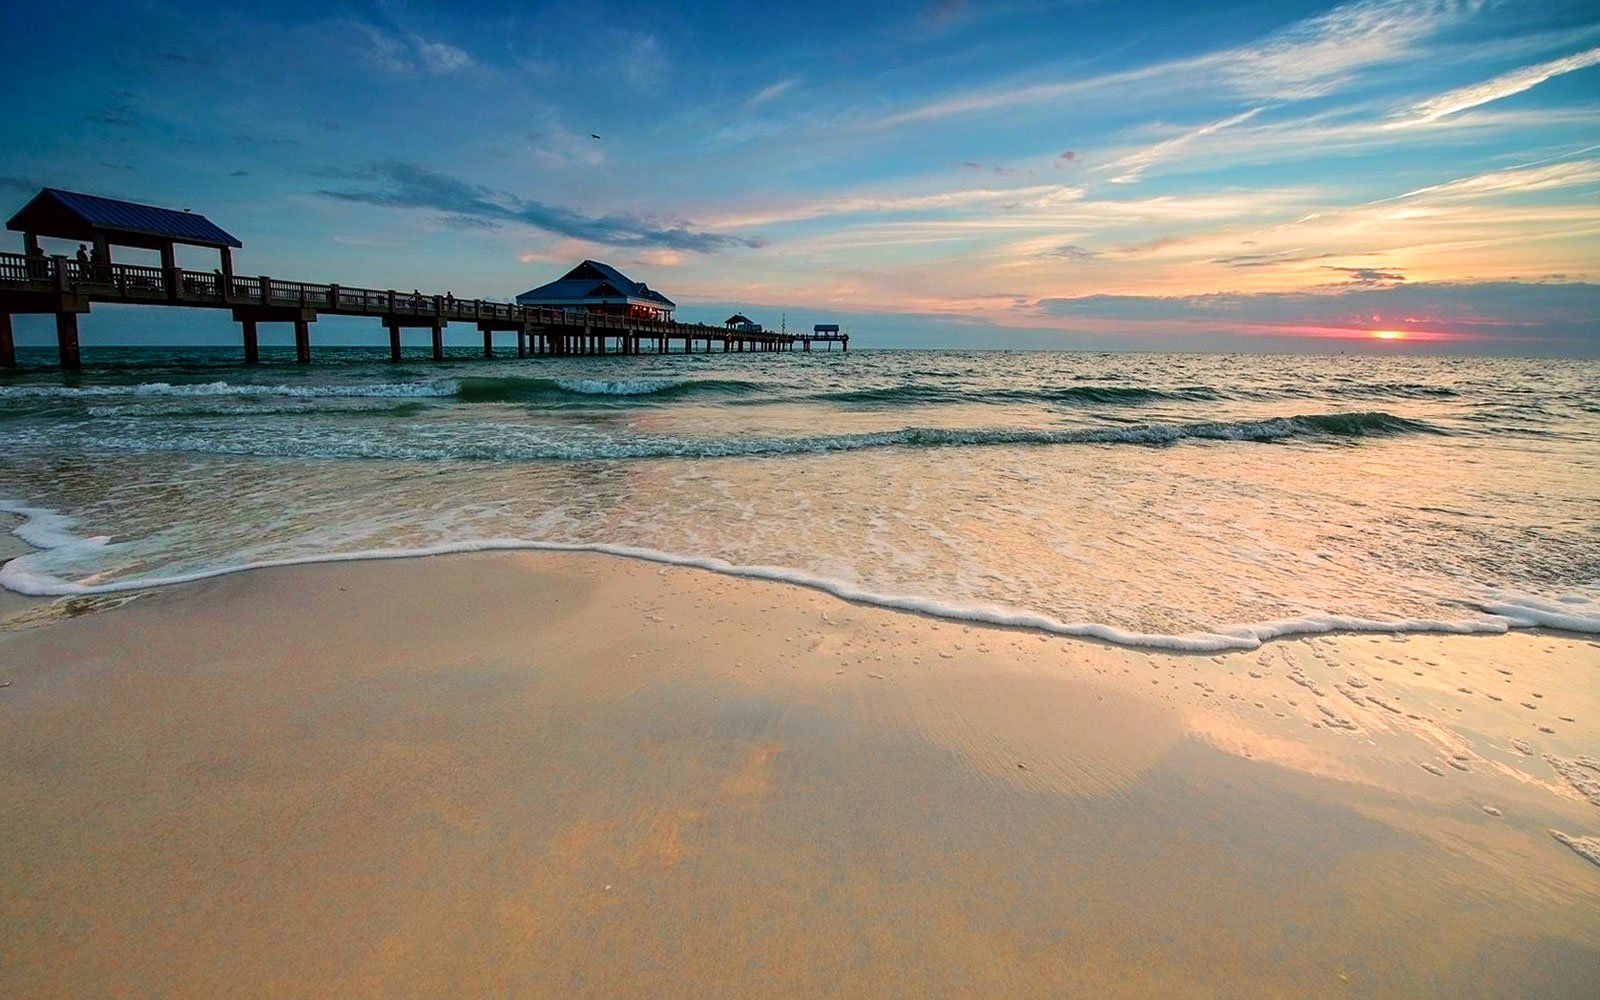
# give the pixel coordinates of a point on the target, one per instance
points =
(394, 342)
(8, 346)
(438, 343)
(67, 339)
(302, 341)
(488, 344)
(252, 346)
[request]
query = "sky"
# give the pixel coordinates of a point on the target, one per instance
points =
(1394, 175)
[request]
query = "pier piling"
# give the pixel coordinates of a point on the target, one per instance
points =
(8, 347)
(252, 347)
(67, 339)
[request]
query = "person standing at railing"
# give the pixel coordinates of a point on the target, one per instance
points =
(38, 264)
(101, 265)
(83, 262)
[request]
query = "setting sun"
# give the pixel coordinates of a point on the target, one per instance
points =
(1389, 334)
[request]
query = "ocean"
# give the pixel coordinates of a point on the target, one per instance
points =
(1178, 501)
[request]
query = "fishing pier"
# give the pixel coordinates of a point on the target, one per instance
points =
(36, 283)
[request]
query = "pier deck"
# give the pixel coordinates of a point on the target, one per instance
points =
(59, 285)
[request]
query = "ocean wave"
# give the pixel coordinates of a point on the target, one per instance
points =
(168, 389)
(1398, 390)
(1501, 611)
(512, 443)
(520, 390)
(466, 390)
(1112, 395)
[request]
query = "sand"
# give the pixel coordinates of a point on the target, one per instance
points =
(579, 776)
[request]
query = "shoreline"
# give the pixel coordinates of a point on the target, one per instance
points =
(1505, 613)
(596, 776)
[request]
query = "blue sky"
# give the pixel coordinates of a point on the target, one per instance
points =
(1260, 175)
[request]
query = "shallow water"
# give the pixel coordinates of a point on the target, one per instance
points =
(1200, 501)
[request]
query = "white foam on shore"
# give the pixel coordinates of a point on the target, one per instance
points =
(1570, 612)
(43, 528)
(48, 529)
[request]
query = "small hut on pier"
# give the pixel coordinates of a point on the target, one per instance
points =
(740, 323)
(106, 222)
(596, 287)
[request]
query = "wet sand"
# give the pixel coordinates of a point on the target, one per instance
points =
(574, 775)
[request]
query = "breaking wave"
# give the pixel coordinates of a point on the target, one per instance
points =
(512, 443)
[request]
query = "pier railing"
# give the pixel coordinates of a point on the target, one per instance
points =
(66, 286)
(142, 284)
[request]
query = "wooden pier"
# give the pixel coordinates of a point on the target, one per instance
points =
(66, 287)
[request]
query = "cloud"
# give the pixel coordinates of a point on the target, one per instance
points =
(1512, 180)
(409, 54)
(661, 258)
(1367, 275)
(885, 204)
(1133, 166)
(1326, 52)
(1070, 156)
(1294, 256)
(465, 204)
(1505, 85)
(1514, 314)
(440, 58)
(1311, 58)
(772, 91)
(1072, 251)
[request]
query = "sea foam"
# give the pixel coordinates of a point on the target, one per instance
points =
(48, 529)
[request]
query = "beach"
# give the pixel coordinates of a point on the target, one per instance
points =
(547, 774)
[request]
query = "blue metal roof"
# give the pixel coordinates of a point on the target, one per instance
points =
(592, 281)
(45, 212)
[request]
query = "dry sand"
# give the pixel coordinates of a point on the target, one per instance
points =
(573, 776)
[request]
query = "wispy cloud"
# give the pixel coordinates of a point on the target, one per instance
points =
(463, 203)
(1130, 168)
(407, 53)
(1367, 275)
(1513, 180)
(1033, 196)
(1323, 53)
(1505, 85)
(1312, 58)
(771, 91)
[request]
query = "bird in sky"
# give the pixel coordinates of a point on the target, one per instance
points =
(594, 135)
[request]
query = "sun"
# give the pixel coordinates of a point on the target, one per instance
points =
(1389, 334)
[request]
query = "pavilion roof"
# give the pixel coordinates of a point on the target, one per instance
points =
(73, 216)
